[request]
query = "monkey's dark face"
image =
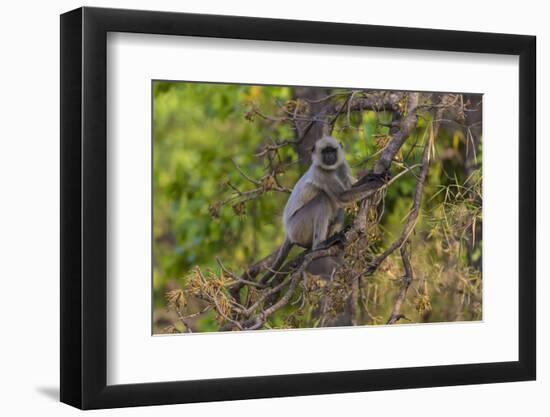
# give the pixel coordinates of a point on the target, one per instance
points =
(329, 156)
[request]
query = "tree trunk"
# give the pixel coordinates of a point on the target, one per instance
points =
(312, 133)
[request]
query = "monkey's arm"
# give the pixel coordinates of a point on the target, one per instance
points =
(304, 191)
(365, 187)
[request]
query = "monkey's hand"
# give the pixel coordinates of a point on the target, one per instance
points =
(336, 239)
(372, 179)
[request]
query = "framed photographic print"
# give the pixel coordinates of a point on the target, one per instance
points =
(257, 208)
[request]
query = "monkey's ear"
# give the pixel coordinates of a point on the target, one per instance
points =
(313, 149)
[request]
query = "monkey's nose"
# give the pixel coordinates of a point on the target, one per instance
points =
(330, 159)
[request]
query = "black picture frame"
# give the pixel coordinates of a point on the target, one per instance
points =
(84, 207)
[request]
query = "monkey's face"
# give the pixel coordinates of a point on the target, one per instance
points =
(328, 153)
(329, 156)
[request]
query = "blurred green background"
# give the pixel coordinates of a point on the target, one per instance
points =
(199, 129)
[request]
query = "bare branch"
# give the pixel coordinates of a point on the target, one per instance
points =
(399, 137)
(244, 175)
(405, 283)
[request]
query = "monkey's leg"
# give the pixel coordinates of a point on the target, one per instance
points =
(281, 256)
(300, 230)
(252, 272)
(323, 220)
(338, 223)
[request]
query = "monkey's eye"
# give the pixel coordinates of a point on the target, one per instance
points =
(313, 148)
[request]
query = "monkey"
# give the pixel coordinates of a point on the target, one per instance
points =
(314, 205)
(315, 209)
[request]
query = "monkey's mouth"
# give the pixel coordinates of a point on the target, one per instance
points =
(329, 156)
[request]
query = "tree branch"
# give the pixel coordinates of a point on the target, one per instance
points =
(405, 283)
(399, 137)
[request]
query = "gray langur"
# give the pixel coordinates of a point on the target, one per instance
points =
(315, 208)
